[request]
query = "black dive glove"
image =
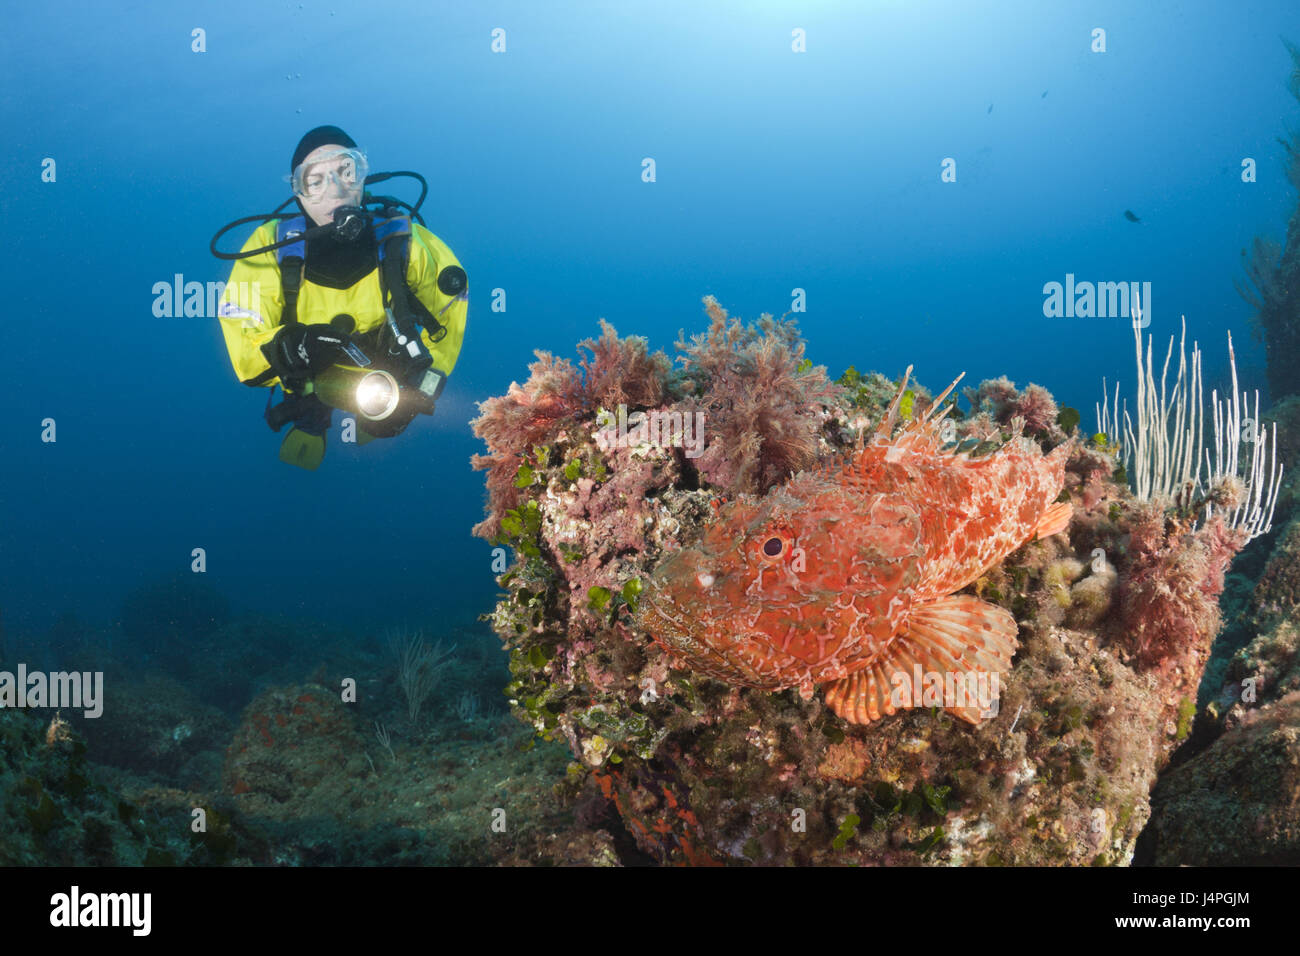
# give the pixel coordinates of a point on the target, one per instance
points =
(299, 351)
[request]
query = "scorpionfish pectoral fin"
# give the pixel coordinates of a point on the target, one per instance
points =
(1054, 520)
(951, 654)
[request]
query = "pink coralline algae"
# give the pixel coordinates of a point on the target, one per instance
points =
(1001, 401)
(558, 393)
(1169, 597)
(755, 391)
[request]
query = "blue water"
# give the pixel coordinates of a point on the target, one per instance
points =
(775, 170)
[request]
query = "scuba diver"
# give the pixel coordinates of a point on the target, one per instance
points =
(342, 306)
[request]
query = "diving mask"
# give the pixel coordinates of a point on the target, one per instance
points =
(345, 167)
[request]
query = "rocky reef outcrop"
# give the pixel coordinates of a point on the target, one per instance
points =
(594, 475)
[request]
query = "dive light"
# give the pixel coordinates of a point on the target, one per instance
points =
(371, 393)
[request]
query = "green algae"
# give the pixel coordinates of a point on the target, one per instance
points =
(632, 591)
(928, 843)
(848, 831)
(1186, 714)
(597, 598)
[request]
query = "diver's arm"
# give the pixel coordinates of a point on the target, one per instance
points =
(250, 310)
(431, 260)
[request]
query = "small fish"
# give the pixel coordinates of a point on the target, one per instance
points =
(1129, 215)
(1044, 96)
(990, 107)
(847, 576)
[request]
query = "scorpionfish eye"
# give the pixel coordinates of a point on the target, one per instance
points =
(774, 546)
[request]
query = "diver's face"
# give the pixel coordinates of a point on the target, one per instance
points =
(330, 180)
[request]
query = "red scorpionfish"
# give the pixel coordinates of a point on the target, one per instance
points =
(846, 576)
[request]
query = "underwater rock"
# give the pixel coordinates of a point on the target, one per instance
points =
(57, 808)
(154, 725)
(701, 771)
(294, 754)
(302, 771)
(1238, 802)
(1285, 416)
(1277, 594)
(1273, 276)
